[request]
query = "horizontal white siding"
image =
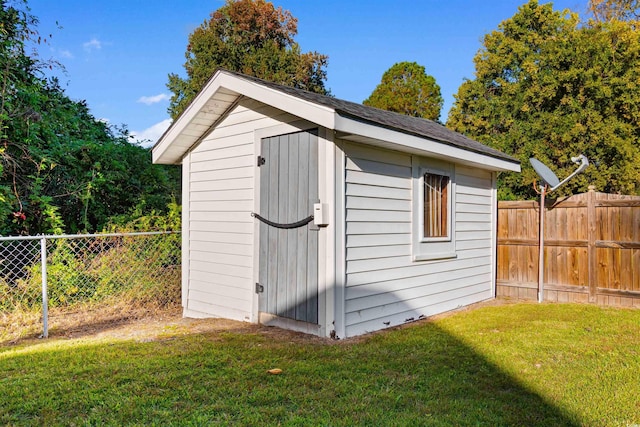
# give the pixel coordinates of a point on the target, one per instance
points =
(384, 286)
(221, 198)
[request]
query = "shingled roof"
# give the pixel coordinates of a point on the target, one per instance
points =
(399, 122)
(351, 121)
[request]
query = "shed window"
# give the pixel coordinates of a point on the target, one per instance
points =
(433, 210)
(436, 205)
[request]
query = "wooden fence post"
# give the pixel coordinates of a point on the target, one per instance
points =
(591, 246)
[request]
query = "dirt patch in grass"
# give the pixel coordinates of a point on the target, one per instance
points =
(156, 327)
(160, 325)
(495, 363)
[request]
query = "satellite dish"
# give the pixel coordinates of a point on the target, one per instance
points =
(544, 172)
(552, 181)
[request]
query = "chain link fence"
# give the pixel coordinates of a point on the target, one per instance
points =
(70, 282)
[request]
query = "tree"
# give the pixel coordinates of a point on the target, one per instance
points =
(608, 10)
(251, 37)
(406, 88)
(547, 87)
(61, 170)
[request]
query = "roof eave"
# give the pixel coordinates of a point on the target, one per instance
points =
(360, 131)
(213, 101)
(224, 89)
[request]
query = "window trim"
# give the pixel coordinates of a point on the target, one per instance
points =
(447, 235)
(432, 248)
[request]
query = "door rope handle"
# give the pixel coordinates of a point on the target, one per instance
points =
(298, 224)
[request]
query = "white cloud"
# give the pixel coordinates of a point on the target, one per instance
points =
(92, 44)
(149, 136)
(148, 100)
(66, 54)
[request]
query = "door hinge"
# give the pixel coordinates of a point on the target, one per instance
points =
(261, 161)
(259, 288)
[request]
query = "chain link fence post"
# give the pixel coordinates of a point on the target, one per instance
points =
(85, 280)
(45, 299)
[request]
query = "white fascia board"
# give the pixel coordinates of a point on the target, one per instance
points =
(162, 152)
(314, 113)
(400, 141)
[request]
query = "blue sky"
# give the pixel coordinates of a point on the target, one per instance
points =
(117, 54)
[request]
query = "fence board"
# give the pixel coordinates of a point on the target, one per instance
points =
(626, 273)
(592, 249)
(635, 269)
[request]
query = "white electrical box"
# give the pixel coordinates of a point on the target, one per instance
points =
(321, 214)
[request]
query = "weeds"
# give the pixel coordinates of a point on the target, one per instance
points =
(135, 273)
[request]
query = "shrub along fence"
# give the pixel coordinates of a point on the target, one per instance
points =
(73, 281)
(591, 245)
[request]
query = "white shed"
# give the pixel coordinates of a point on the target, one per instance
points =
(404, 210)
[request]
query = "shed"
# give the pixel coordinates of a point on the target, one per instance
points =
(404, 210)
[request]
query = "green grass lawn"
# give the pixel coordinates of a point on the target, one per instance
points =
(511, 365)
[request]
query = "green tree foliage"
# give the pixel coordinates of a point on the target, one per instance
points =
(406, 88)
(61, 170)
(251, 37)
(550, 88)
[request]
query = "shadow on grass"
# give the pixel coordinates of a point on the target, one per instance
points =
(418, 375)
(445, 382)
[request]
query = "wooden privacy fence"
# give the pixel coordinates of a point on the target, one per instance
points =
(592, 249)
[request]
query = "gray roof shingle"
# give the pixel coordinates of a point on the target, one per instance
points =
(399, 122)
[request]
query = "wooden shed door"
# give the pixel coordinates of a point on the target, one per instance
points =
(288, 264)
